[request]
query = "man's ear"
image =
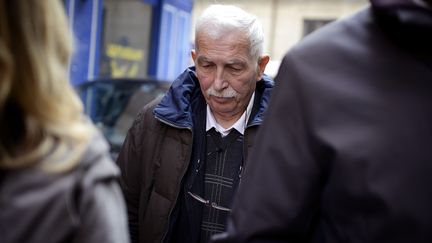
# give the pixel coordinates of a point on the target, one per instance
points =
(194, 55)
(262, 63)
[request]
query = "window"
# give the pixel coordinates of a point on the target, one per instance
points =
(310, 25)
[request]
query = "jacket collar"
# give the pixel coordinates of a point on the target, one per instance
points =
(405, 13)
(398, 3)
(408, 24)
(175, 108)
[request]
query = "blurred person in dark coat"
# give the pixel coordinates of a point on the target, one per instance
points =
(183, 156)
(57, 182)
(345, 152)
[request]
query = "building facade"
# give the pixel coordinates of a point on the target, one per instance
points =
(134, 39)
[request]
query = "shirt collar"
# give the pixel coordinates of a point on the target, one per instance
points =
(239, 125)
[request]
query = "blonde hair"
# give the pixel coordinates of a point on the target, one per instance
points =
(41, 118)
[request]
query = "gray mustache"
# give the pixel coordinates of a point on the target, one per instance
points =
(226, 93)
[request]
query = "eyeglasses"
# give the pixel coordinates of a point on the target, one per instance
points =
(212, 204)
(208, 203)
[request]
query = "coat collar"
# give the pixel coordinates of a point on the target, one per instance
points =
(398, 3)
(408, 24)
(405, 13)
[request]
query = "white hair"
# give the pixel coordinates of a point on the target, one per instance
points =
(217, 19)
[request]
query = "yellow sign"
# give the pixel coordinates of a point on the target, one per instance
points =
(126, 70)
(124, 52)
(124, 60)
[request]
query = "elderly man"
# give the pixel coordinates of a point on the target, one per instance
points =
(183, 157)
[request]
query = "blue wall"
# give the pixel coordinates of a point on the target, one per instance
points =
(170, 41)
(85, 22)
(170, 53)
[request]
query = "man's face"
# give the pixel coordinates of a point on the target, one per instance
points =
(226, 73)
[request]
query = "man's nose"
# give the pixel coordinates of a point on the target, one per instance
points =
(220, 81)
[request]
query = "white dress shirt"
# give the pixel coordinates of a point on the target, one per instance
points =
(239, 125)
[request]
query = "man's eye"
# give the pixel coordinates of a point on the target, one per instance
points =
(206, 65)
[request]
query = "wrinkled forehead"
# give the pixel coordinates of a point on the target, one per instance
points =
(225, 37)
(228, 47)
